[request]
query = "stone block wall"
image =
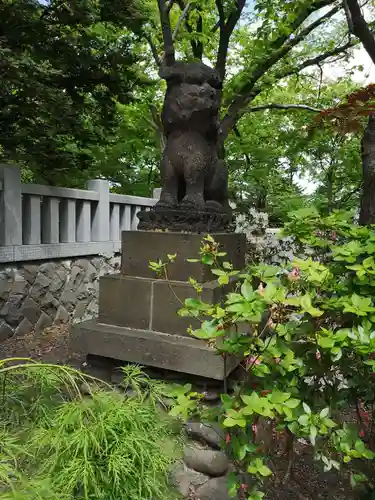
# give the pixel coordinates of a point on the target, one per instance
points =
(36, 295)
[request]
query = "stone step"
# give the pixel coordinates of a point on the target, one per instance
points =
(150, 348)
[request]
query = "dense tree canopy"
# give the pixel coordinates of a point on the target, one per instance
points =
(63, 66)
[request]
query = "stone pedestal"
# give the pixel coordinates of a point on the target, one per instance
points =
(138, 320)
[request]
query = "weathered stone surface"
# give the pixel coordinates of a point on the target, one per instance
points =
(167, 299)
(63, 290)
(31, 310)
(24, 328)
(125, 301)
(214, 489)
(171, 352)
(41, 284)
(62, 315)
(80, 309)
(206, 433)
(43, 322)
(187, 480)
(210, 462)
(5, 330)
(19, 285)
(30, 272)
(48, 268)
(141, 247)
(11, 310)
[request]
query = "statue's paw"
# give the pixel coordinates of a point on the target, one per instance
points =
(214, 206)
(165, 205)
(191, 205)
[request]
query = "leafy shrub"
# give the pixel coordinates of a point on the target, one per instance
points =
(306, 334)
(57, 444)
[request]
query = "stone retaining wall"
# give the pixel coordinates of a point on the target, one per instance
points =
(35, 295)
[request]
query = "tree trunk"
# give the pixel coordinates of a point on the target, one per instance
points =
(367, 213)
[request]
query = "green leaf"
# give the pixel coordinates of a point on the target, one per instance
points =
(279, 397)
(247, 290)
(304, 419)
(313, 434)
(292, 403)
(218, 272)
(193, 303)
(208, 260)
(223, 280)
(265, 471)
(306, 408)
(325, 342)
(324, 413)
(231, 422)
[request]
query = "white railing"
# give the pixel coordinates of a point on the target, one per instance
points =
(44, 222)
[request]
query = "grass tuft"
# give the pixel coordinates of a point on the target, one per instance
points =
(55, 443)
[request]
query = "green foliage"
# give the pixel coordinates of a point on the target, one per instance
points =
(63, 72)
(57, 444)
(278, 154)
(306, 334)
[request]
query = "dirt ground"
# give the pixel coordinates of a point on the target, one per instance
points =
(53, 346)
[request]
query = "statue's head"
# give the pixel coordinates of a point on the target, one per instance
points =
(196, 73)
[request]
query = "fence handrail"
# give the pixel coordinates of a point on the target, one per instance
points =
(59, 192)
(46, 222)
(132, 200)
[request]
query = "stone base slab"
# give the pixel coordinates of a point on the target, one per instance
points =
(149, 348)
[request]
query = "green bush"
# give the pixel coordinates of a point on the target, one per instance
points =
(306, 333)
(54, 443)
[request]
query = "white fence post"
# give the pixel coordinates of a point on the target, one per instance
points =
(83, 222)
(10, 205)
(50, 220)
(31, 220)
(101, 215)
(156, 193)
(68, 221)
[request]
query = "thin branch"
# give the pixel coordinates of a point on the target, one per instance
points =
(183, 16)
(220, 10)
(169, 53)
(347, 197)
(360, 27)
(197, 47)
(348, 17)
(300, 19)
(153, 50)
(322, 57)
(262, 107)
(226, 30)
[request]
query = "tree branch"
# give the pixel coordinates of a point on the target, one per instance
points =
(183, 17)
(359, 27)
(321, 58)
(301, 18)
(263, 107)
(169, 53)
(197, 47)
(248, 92)
(234, 111)
(153, 50)
(226, 30)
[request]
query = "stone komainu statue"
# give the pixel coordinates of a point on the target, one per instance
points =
(193, 177)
